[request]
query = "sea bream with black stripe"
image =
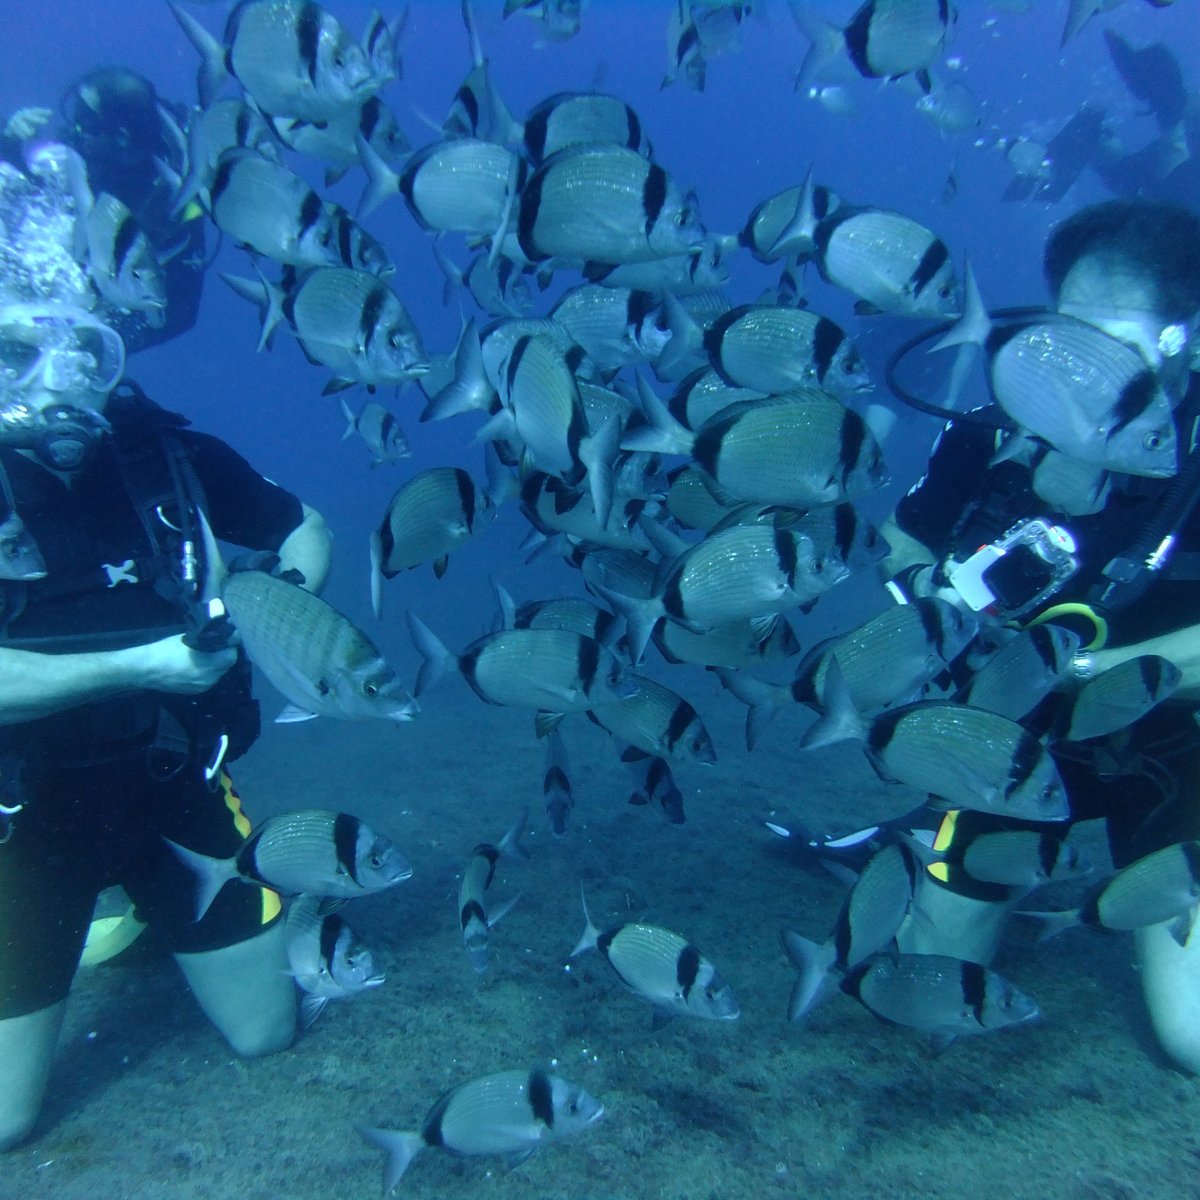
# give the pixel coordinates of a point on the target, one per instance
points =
(965, 757)
(782, 225)
(557, 792)
(293, 58)
(771, 349)
(313, 852)
(577, 118)
(656, 722)
(946, 998)
(1065, 381)
(890, 262)
(1119, 696)
(335, 141)
(478, 110)
(473, 917)
(379, 430)
(224, 125)
(615, 327)
(1018, 676)
(662, 968)
(604, 203)
(121, 262)
(325, 957)
(800, 449)
(550, 670)
(509, 1114)
(272, 211)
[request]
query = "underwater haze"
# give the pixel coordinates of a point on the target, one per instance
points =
(148, 1102)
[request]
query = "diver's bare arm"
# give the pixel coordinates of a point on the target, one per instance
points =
(1181, 646)
(308, 548)
(36, 685)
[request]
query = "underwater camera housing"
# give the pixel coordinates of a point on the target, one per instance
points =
(1016, 572)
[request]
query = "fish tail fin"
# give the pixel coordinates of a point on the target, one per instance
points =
(212, 874)
(376, 574)
(311, 1007)
(512, 191)
(596, 452)
(470, 389)
(351, 419)
(801, 226)
(401, 1147)
(664, 434)
(436, 658)
(827, 43)
(506, 609)
(449, 268)
(213, 69)
(1053, 923)
(970, 334)
(756, 695)
(382, 181)
(641, 615)
(502, 484)
(840, 720)
(686, 345)
(510, 844)
(587, 939)
(812, 963)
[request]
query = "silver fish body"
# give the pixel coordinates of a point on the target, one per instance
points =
(888, 38)
(1152, 889)
(680, 274)
(739, 645)
(379, 430)
(325, 957)
(314, 655)
(1018, 676)
(1022, 858)
(604, 204)
(658, 722)
(431, 514)
(123, 264)
(355, 247)
(510, 1113)
(335, 140)
(1118, 697)
(616, 327)
(577, 118)
(463, 185)
(556, 785)
(654, 784)
(795, 212)
(473, 916)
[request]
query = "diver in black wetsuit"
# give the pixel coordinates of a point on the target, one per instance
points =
(1133, 269)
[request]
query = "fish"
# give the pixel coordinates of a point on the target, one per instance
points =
(951, 107)
(560, 19)
(685, 274)
(657, 722)
(429, 516)
(335, 141)
(271, 210)
(685, 53)
(556, 784)
(356, 248)
(615, 327)
(653, 782)
(1014, 858)
(313, 852)
(121, 261)
(380, 430)
(1047, 171)
(319, 660)
(966, 757)
(890, 262)
(1161, 886)
(223, 125)
(796, 212)
(1023, 672)
(800, 449)
(1090, 396)
(868, 922)
(577, 118)
(292, 57)
(478, 110)
(553, 507)
(500, 288)
(568, 612)
(1118, 697)
(553, 670)
(510, 1113)
(604, 203)
(947, 998)
(325, 957)
(473, 917)
(740, 573)
(20, 557)
(1151, 74)
(661, 967)
(884, 39)
(735, 646)
(771, 349)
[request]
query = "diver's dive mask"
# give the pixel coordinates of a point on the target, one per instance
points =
(57, 366)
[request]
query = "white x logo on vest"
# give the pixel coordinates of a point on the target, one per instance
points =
(125, 572)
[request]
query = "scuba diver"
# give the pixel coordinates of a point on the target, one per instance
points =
(1115, 560)
(129, 140)
(122, 700)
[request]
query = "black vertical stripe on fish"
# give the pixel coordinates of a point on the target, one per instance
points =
(514, 361)
(853, 434)
(345, 232)
(935, 257)
(706, 449)
(826, 229)
(247, 858)
(689, 40)
(932, 628)
(677, 726)
(368, 117)
(1191, 856)
(639, 306)
(536, 129)
(541, 1098)
(1027, 753)
(431, 1130)
(588, 661)
(527, 215)
(882, 730)
(468, 664)
(604, 943)
(654, 195)
(785, 556)
(310, 211)
(1150, 672)
(308, 37)
(221, 179)
(241, 127)
(345, 843)
(845, 526)
(999, 336)
(1049, 848)
(488, 851)
(857, 35)
(687, 967)
(973, 980)
(672, 598)
(470, 103)
(1135, 397)
(124, 239)
(1043, 646)
(331, 930)
(827, 337)
(633, 127)
(472, 910)
(466, 497)
(368, 322)
(657, 774)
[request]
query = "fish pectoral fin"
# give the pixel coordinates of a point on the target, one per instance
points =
(570, 695)
(545, 723)
(515, 1160)
(292, 714)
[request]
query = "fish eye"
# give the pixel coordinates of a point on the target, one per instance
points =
(818, 566)
(1153, 440)
(946, 291)
(375, 861)
(370, 689)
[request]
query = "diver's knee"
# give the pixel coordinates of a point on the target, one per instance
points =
(944, 921)
(267, 1038)
(16, 1124)
(1171, 986)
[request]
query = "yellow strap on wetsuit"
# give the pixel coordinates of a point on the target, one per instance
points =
(941, 843)
(1055, 611)
(272, 906)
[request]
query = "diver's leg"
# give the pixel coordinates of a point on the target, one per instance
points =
(27, 1045)
(1171, 985)
(944, 921)
(246, 991)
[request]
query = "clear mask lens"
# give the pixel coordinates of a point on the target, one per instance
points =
(58, 351)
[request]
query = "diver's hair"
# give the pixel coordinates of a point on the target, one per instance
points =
(1158, 240)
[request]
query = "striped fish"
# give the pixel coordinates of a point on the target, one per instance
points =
(782, 226)
(658, 722)
(121, 261)
(473, 916)
(556, 784)
(1022, 673)
(576, 118)
(1120, 696)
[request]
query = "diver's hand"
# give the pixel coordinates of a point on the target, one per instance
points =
(25, 122)
(170, 665)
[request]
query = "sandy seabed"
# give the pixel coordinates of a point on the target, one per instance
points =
(147, 1101)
